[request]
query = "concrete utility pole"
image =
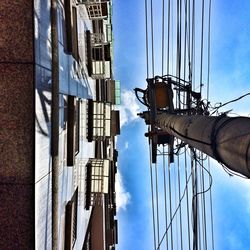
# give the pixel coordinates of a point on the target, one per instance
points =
(226, 139)
(54, 123)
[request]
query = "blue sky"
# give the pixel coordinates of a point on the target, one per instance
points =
(230, 71)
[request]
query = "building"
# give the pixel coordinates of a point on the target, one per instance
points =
(88, 125)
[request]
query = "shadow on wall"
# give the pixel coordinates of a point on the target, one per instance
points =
(43, 123)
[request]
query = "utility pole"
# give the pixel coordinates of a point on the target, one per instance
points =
(54, 123)
(226, 139)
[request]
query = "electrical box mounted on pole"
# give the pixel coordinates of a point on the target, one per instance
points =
(226, 139)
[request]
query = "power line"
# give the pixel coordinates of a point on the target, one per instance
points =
(179, 188)
(157, 204)
(194, 205)
(185, 61)
(150, 150)
(202, 37)
(209, 48)
(193, 47)
(152, 195)
(211, 209)
(226, 103)
(170, 205)
(163, 35)
(152, 36)
(203, 206)
(186, 178)
(174, 214)
(165, 193)
(168, 42)
(146, 24)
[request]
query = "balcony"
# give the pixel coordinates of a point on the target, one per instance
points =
(99, 120)
(97, 9)
(108, 91)
(97, 181)
(98, 56)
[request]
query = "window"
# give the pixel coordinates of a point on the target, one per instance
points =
(110, 89)
(98, 26)
(97, 181)
(97, 10)
(98, 53)
(77, 127)
(109, 33)
(115, 128)
(75, 52)
(94, 10)
(99, 176)
(99, 120)
(117, 93)
(71, 222)
(71, 29)
(72, 130)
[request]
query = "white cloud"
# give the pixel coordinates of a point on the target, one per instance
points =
(129, 107)
(126, 145)
(122, 196)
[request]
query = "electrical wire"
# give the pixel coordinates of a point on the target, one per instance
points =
(168, 41)
(150, 150)
(192, 71)
(176, 204)
(163, 35)
(208, 172)
(178, 52)
(152, 195)
(179, 189)
(185, 40)
(226, 103)
(211, 210)
(194, 204)
(152, 37)
(170, 206)
(146, 24)
(231, 172)
(204, 229)
(209, 48)
(174, 214)
(185, 59)
(173, 76)
(157, 203)
(165, 194)
(187, 200)
(202, 193)
(202, 38)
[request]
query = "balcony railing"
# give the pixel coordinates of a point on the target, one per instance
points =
(97, 9)
(97, 181)
(98, 56)
(97, 39)
(99, 120)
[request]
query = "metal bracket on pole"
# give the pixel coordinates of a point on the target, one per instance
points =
(158, 96)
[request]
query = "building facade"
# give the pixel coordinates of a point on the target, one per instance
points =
(88, 126)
